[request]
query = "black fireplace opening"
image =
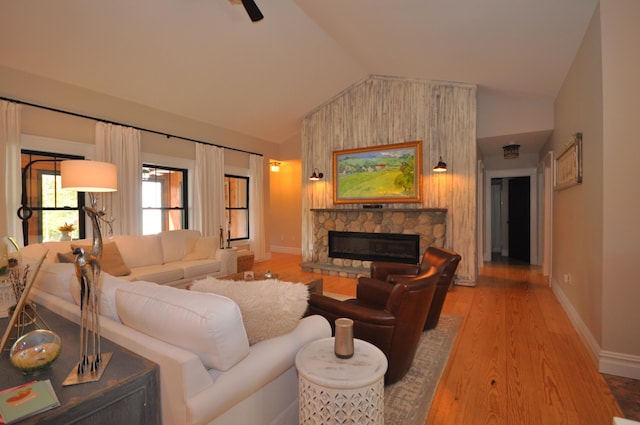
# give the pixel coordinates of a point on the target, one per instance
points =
(394, 247)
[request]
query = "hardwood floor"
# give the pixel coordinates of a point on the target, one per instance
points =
(517, 359)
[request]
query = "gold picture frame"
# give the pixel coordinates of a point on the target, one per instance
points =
(568, 165)
(378, 174)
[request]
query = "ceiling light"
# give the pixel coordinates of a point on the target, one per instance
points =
(511, 151)
(275, 166)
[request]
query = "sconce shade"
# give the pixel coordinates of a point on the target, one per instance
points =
(275, 166)
(88, 176)
(440, 167)
(511, 151)
(317, 175)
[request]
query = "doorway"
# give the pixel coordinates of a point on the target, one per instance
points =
(511, 216)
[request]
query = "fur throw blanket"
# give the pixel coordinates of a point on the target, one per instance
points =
(269, 307)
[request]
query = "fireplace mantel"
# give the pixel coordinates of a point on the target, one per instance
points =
(375, 210)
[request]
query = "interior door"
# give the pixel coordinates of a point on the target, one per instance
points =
(519, 219)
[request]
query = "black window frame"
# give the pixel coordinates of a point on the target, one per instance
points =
(228, 208)
(25, 212)
(184, 193)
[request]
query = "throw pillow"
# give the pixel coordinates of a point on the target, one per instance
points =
(112, 261)
(66, 257)
(269, 307)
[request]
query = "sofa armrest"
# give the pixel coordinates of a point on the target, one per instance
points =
(267, 360)
(330, 307)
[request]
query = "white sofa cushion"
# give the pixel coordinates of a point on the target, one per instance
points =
(140, 250)
(177, 243)
(269, 307)
(55, 279)
(160, 273)
(199, 268)
(206, 324)
(205, 247)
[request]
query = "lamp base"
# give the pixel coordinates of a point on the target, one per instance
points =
(75, 378)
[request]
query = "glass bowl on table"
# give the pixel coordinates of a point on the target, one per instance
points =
(35, 350)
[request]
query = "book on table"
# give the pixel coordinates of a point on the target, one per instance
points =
(26, 400)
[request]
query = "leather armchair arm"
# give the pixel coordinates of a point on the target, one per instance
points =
(372, 291)
(319, 304)
(380, 269)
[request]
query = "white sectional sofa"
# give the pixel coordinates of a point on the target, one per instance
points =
(209, 373)
(172, 258)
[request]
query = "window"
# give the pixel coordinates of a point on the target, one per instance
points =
(236, 199)
(164, 191)
(45, 206)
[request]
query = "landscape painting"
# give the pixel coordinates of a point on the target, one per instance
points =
(389, 173)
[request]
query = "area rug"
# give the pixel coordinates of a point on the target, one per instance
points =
(408, 401)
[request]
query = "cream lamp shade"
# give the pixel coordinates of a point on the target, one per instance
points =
(88, 176)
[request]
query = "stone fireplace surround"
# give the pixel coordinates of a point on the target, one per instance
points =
(429, 223)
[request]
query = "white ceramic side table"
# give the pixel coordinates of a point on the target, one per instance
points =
(229, 260)
(341, 391)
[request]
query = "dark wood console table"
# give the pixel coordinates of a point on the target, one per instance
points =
(128, 392)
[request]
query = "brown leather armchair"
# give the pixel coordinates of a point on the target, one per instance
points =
(388, 316)
(432, 257)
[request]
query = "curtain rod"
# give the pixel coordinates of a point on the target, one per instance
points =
(167, 135)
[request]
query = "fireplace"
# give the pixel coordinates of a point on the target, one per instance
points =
(395, 247)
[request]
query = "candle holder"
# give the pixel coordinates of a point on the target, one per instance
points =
(343, 344)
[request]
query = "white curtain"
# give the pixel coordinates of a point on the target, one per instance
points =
(10, 166)
(256, 207)
(208, 199)
(121, 146)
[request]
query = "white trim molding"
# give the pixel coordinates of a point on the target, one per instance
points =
(608, 362)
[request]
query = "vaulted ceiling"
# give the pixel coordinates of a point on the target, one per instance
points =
(205, 60)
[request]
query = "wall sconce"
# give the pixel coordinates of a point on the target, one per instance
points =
(275, 166)
(511, 151)
(440, 167)
(317, 175)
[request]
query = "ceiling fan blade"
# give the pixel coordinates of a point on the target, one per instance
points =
(252, 10)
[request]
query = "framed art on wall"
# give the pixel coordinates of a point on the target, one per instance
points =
(568, 166)
(388, 173)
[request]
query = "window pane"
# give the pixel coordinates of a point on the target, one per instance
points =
(151, 194)
(151, 222)
(237, 191)
(239, 224)
(53, 219)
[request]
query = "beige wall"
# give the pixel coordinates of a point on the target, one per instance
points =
(577, 215)
(39, 122)
(596, 237)
(621, 203)
(286, 199)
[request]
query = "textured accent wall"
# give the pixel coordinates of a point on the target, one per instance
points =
(387, 110)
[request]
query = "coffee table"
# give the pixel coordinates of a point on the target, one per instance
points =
(314, 283)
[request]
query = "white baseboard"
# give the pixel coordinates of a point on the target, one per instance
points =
(619, 364)
(608, 362)
(286, 249)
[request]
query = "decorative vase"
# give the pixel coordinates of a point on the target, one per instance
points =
(65, 236)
